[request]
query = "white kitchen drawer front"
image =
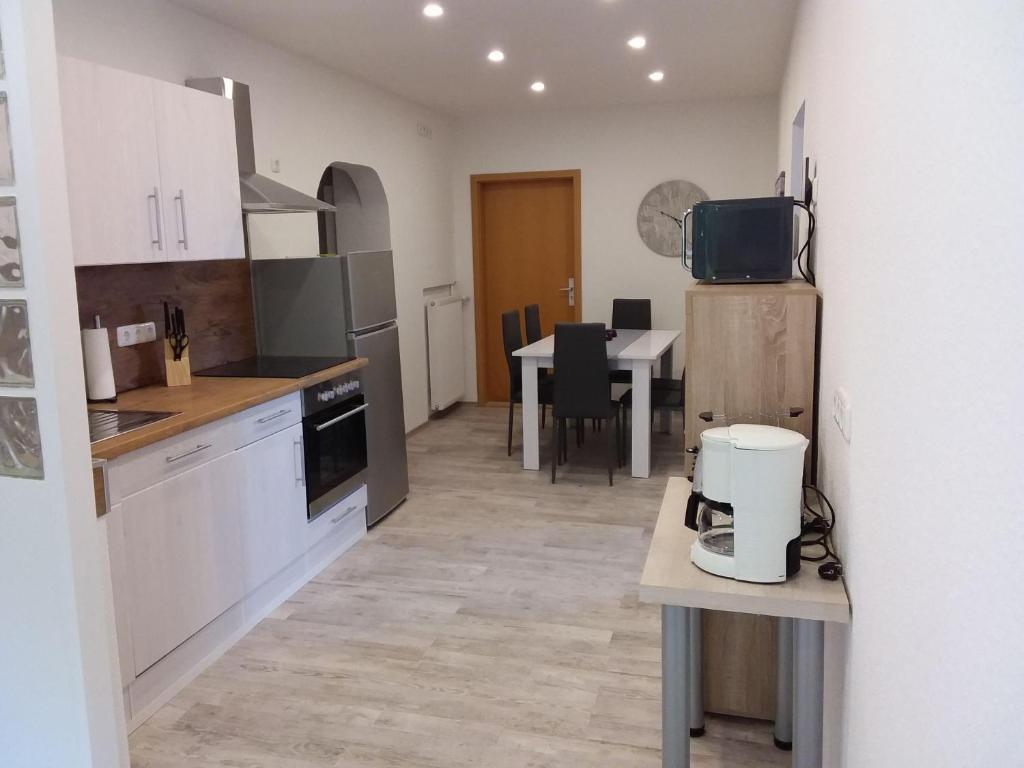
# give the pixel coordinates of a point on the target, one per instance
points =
(264, 420)
(346, 512)
(168, 458)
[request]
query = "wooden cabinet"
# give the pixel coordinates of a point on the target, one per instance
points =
(183, 556)
(198, 173)
(152, 169)
(749, 358)
(273, 505)
(110, 151)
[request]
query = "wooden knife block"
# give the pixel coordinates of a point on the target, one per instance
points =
(178, 372)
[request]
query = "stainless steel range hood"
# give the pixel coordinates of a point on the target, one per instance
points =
(259, 194)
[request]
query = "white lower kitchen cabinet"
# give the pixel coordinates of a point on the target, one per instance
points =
(207, 534)
(183, 556)
(273, 504)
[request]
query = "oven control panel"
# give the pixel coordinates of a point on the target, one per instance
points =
(331, 392)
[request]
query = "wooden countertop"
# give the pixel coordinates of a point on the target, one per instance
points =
(670, 578)
(205, 400)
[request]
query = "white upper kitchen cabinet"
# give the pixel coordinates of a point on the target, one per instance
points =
(274, 505)
(152, 169)
(110, 149)
(198, 173)
(183, 556)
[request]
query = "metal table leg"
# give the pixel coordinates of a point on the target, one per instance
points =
(696, 672)
(809, 684)
(675, 698)
(783, 731)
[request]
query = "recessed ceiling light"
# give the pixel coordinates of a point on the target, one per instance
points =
(637, 42)
(537, 87)
(496, 55)
(433, 10)
(657, 75)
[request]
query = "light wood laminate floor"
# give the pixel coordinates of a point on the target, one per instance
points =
(492, 620)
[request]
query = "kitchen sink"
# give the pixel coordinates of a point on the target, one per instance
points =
(104, 425)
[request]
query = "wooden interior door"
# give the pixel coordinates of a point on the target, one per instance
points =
(526, 248)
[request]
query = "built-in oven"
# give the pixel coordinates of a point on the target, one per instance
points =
(334, 437)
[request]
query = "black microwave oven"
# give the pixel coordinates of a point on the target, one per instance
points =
(742, 241)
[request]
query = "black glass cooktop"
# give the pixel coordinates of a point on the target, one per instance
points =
(274, 367)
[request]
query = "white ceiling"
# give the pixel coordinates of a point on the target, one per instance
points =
(707, 48)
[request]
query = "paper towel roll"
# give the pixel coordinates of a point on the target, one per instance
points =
(99, 371)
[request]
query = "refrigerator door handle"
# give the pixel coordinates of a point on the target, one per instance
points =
(376, 329)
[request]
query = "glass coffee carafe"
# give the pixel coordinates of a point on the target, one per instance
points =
(715, 527)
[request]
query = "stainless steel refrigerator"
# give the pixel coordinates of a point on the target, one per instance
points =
(344, 305)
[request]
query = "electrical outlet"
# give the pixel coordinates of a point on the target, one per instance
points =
(130, 335)
(275, 165)
(842, 413)
(424, 130)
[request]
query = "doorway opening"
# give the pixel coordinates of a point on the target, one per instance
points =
(526, 250)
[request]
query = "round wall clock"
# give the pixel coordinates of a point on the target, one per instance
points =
(660, 215)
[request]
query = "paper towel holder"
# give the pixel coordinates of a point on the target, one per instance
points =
(99, 372)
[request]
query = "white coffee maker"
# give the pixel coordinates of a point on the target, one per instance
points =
(746, 502)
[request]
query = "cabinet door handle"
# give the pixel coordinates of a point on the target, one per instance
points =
(180, 199)
(343, 515)
(159, 241)
(273, 416)
(300, 469)
(186, 454)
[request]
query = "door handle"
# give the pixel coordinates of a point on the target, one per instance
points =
(186, 454)
(159, 241)
(571, 290)
(687, 265)
(180, 200)
(339, 518)
(273, 416)
(300, 469)
(338, 419)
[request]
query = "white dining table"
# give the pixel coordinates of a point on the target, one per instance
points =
(630, 350)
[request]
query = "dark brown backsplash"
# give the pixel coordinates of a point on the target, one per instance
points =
(215, 295)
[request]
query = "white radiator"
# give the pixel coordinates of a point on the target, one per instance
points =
(447, 365)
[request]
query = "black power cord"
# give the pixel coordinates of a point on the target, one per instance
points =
(816, 531)
(807, 274)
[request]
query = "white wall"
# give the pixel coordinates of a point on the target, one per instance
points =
(60, 703)
(914, 113)
(307, 116)
(725, 147)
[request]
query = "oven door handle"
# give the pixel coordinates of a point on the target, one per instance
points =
(338, 419)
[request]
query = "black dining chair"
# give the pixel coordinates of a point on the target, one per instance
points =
(512, 339)
(582, 390)
(666, 395)
(531, 317)
(629, 314)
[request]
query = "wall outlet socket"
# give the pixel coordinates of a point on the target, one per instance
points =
(130, 335)
(842, 413)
